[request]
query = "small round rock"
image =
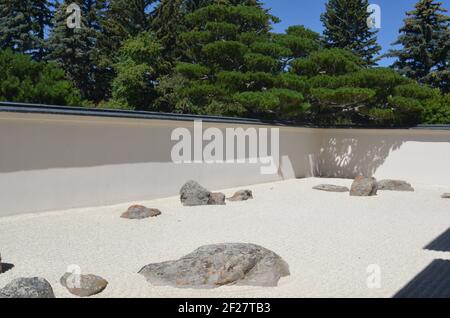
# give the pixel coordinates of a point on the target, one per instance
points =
(83, 285)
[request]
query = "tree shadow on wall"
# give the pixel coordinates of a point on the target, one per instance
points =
(348, 157)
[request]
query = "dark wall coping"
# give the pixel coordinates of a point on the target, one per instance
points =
(112, 113)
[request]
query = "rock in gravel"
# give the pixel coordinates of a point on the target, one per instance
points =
(83, 285)
(446, 196)
(243, 195)
(364, 187)
(331, 188)
(35, 287)
(1, 268)
(217, 199)
(394, 185)
(139, 212)
(193, 194)
(213, 266)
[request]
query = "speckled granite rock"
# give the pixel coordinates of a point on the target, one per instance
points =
(34, 287)
(213, 266)
(193, 194)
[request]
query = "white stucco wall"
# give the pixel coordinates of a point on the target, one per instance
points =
(421, 157)
(50, 162)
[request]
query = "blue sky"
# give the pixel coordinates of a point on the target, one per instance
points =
(307, 12)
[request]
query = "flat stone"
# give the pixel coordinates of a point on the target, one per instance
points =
(217, 199)
(193, 194)
(139, 212)
(446, 196)
(34, 287)
(394, 185)
(242, 195)
(331, 188)
(83, 285)
(213, 266)
(364, 187)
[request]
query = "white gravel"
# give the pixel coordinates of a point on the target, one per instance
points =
(328, 239)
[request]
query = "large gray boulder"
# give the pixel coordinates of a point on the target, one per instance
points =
(394, 185)
(193, 194)
(364, 187)
(83, 285)
(139, 212)
(242, 195)
(213, 266)
(331, 188)
(34, 287)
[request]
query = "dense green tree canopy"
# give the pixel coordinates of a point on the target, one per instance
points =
(342, 91)
(346, 27)
(23, 24)
(233, 65)
(425, 45)
(25, 80)
(221, 57)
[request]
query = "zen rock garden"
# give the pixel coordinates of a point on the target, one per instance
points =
(208, 267)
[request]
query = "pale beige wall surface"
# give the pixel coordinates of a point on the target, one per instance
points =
(419, 156)
(50, 162)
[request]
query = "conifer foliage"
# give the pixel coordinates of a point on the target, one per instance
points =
(346, 27)
(424, 54)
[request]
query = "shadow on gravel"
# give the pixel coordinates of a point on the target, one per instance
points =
(440, 244)
(7, 267)
(432, 282)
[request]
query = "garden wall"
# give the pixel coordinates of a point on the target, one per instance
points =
(60, 161)
(420, 156)
(50, 162)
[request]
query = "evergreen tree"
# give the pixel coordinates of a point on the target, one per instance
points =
(168, 20)
(74, 48)
(233, 65)
(23, 24)
(25, 80)
(346, 27)
(123, 19)
(140, 63)
(425, 41)
(342, 91)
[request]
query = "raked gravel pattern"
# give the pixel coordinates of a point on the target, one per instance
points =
(328, 240)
